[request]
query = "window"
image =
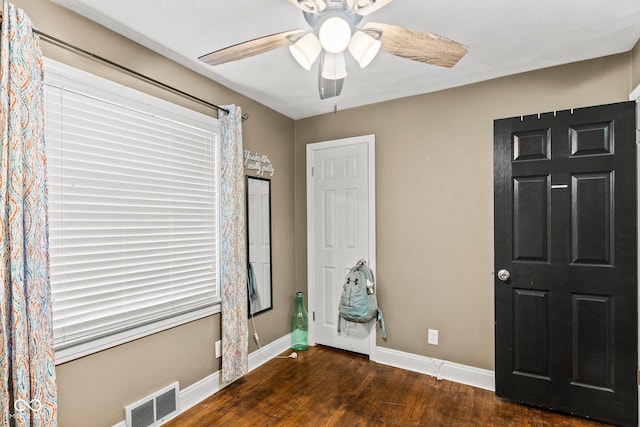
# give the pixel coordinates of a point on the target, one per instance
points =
(133, 212)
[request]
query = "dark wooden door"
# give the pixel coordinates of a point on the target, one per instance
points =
(565, 231)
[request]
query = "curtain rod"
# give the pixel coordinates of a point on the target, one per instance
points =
(54, 40)
(62, 43)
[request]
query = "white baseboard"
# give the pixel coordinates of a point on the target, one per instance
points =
(469, 375)
(269, 351)
(475, 377)
(208, 386)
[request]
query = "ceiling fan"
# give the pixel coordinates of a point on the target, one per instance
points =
(335, 29)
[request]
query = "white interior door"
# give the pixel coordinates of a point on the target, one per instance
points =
(341, 231)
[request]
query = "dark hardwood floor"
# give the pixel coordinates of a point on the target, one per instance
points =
(328, 387)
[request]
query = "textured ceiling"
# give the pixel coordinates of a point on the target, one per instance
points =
(503, 36)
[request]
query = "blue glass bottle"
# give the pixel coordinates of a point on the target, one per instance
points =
(299, 325)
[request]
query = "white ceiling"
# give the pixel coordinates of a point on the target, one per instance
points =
(503, 36)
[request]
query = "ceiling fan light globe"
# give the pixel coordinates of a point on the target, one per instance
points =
(364, 48)
(335, 34)
(306, 50)
(334, 66)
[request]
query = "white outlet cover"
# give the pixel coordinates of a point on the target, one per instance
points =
(218, 349)
(432, 337)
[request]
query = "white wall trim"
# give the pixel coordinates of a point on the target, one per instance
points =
(269, 351)
(442, 369)
(210, 385)
(635, 94)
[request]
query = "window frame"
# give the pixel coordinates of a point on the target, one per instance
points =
(57, 74)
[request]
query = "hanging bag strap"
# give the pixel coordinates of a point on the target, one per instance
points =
(384, 329)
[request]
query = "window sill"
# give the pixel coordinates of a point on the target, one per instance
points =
(85, 349)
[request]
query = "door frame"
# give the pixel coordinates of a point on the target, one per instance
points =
(370, 140)
(635, 96)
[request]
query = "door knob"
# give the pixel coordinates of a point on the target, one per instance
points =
(504, 275)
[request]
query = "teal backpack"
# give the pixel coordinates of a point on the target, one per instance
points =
(358, 302)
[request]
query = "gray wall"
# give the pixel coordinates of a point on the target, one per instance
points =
(434, 194)
(94, 390)
(434, 213)
(635, 66)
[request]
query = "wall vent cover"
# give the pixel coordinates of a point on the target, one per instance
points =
(155, 409)
(166, 404)
(142, 415)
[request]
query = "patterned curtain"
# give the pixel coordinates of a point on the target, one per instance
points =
(233, 253)
(27, 365)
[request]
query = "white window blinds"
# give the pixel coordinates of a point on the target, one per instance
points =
(133, 190)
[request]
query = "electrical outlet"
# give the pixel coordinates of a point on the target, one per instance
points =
(218, 349)
(432, 338)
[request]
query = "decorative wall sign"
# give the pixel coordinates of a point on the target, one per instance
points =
(258, 163)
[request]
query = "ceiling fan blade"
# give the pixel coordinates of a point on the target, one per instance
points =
(252, 47)
(365, 7)
(417, 45)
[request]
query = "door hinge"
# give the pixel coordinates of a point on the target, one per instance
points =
(313, 171)
(313, 315)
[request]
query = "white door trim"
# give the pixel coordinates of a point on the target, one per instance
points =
(370, 140)
(635, 96)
